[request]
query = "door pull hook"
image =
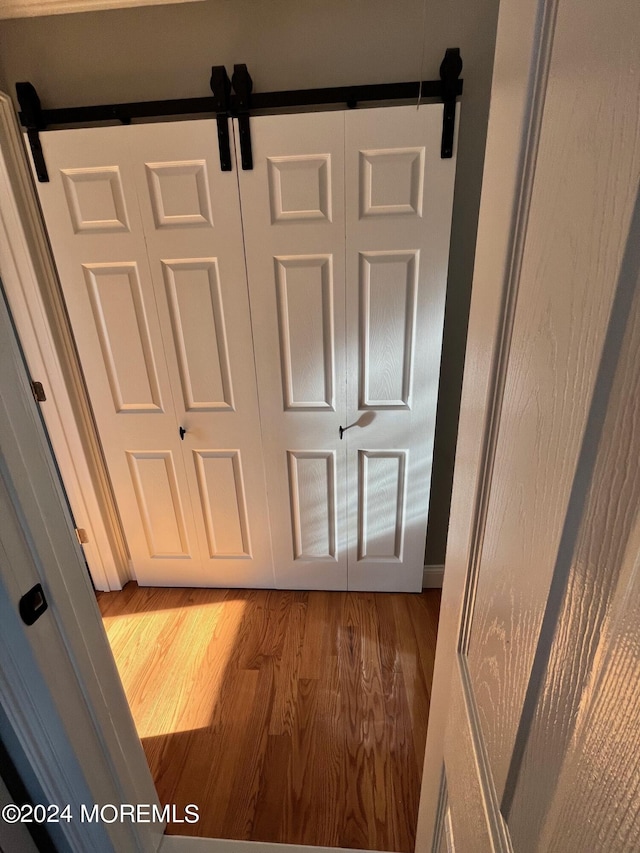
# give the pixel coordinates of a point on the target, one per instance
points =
(182, 433)
(342, 430)
(364, 420)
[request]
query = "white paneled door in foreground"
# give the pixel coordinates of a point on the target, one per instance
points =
(347, 218)
(261, 348)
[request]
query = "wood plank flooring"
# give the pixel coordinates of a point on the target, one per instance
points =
(295, 717)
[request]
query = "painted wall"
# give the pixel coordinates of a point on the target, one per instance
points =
(167, 52)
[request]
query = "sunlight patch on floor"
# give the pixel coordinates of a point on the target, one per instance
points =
(181, 641)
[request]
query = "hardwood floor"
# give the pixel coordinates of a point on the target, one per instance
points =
(297, 717)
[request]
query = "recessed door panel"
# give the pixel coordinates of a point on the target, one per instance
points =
(197, 318)
(306, 325)
(300, 188)
(381, 490)
(312, 486)
(95, 199)
(179, 194)
(387, 327)
(392, 182)
(122, 327)
(156, 487)
(224, 505)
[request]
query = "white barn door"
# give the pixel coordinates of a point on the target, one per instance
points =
(399, 196)
(293, 215)
(347, 218)
(147, 237)
(202, 383)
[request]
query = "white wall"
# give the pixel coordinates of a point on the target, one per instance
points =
(167, 52)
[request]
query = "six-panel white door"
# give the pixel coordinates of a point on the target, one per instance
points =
(293, 215)
(399, 197)
(147, 237)
(347, 218)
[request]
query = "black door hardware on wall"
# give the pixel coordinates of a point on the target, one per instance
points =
(221, 88)
(242, 86)
(450, 71)
(236, 98)
(32, 604)
(31, 118)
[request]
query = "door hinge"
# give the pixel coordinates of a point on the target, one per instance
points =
(81, 533)
(38, 392)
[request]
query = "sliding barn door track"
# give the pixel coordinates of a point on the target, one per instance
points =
(235, 98)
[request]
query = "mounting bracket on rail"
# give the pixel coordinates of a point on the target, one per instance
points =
(31, 117)
(450, 70)
(221, 88)
(243, 86)
(446, 89)
(236, 98)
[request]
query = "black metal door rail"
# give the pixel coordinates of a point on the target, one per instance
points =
(235, 99)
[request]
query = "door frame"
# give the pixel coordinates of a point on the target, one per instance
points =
(61, 693)
(525, 31)
(524, 41)
(35, 297)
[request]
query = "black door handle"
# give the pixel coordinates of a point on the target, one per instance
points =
(364, 420)
(182, 433)
(342, 430)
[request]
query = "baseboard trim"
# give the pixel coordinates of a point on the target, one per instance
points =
(432, 577)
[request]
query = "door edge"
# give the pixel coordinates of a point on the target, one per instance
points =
(523, 47)
(35, 299)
